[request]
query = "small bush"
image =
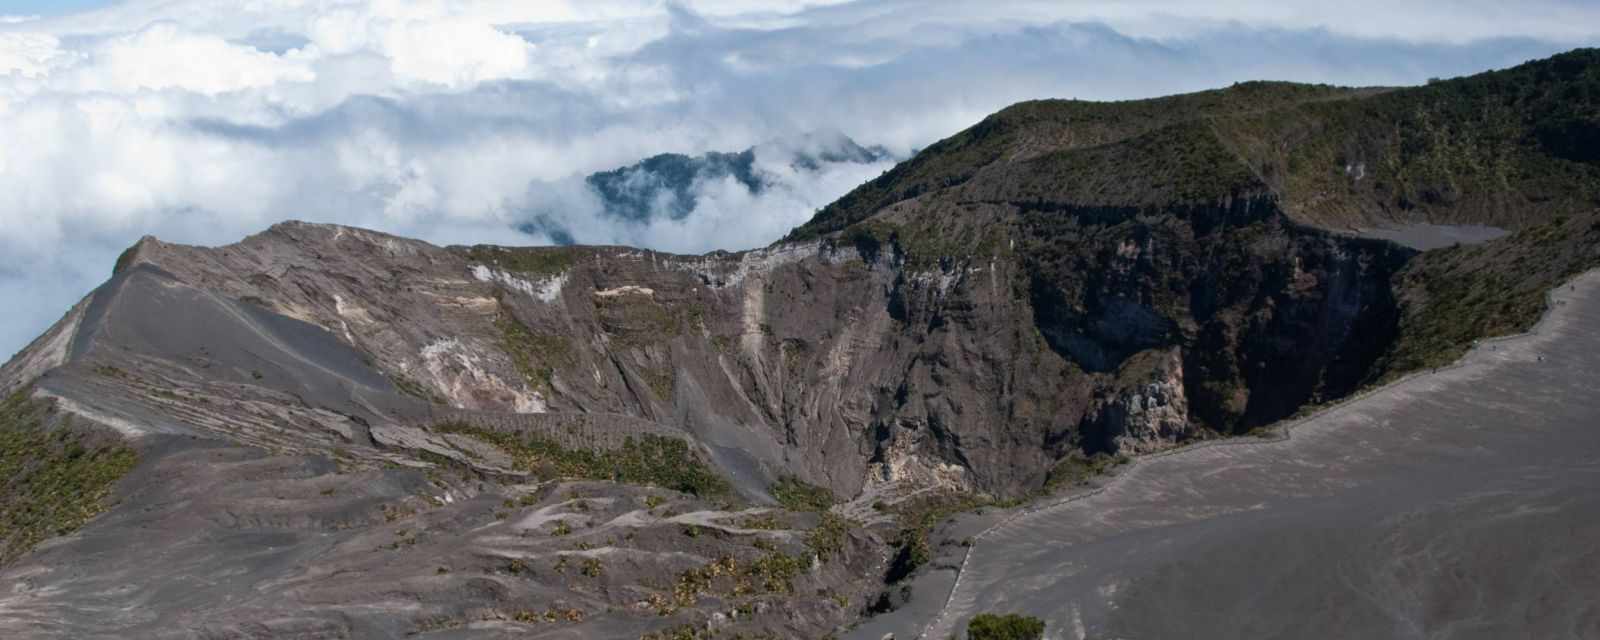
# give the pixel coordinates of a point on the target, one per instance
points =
(647, 460)
(797, 495)
(1076, 470)
(828, 538)
(989, 626)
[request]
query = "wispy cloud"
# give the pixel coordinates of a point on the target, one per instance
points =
(201, 120)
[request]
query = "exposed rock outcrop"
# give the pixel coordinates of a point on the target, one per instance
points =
(1150, 414)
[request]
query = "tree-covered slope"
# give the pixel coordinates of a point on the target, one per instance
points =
(1507, 147)
(1031, 129)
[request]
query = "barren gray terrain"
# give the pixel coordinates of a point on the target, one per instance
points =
(287, 489)
(1460, 503)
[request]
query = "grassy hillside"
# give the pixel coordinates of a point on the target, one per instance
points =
(1510, 148)
(53, 479)
(1032, 129)
(1453, 296)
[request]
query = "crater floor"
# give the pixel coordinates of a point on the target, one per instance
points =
(1461, 503)
(1425, 237)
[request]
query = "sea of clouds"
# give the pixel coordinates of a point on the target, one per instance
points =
(202, 121)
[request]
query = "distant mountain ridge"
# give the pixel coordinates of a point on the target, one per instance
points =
(662, 183)
(665, 186)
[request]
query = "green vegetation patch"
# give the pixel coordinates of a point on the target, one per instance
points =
(539, 262)
(772, 572)
(1452, 297)
(52, 481)
(537, 356)
(925, 247)
(918, 517)
(659, 380)
(1068, 124)
(1508, 148)
(1010, 626)
(1184, 163)
(797, 495)
(763, 521)
(828, 538)
(639, 321)
(678, 632)
(646, 460)
(1076, 469)
(775, 572)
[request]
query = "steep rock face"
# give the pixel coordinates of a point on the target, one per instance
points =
(1144, 417)
(774, 360)
(1268, 316)
(851, 363)
(835, 363)
(877, 359)
(1191, 257)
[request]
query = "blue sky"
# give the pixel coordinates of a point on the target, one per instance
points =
(47, 7)
(459, 121)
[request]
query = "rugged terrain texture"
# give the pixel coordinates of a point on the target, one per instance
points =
(1432, 508)
(286, 487)
(336, 432)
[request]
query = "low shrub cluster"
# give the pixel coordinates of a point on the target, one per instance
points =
(52, 481)
(647, 460)
(989, 626)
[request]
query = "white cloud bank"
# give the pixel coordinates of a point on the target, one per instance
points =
(204, 120)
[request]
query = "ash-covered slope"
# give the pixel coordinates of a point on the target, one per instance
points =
(385, 436)
(339, 433)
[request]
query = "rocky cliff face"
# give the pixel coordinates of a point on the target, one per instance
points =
(1144, 417)
(809, 359)
(965, 339)
(850, 365)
